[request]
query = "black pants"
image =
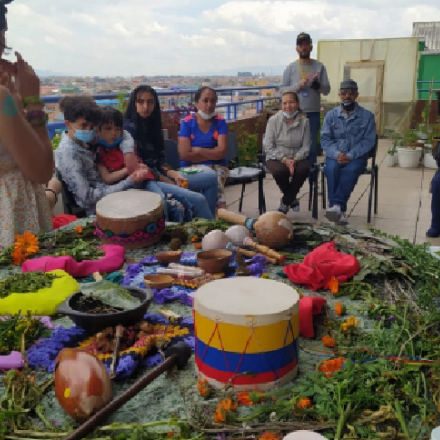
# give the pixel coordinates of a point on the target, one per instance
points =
(289, 185)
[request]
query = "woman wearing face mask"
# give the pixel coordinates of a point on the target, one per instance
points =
(26, 157)
(203, 140)
(287, 145)
(143, 122)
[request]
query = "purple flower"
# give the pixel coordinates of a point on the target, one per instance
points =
(391, 318)
(378, 318)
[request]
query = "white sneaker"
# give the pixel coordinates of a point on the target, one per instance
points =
(343, 221)
(283, 208)
(295, 205)
(334, 214)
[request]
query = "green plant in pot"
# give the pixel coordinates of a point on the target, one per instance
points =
(409, 138)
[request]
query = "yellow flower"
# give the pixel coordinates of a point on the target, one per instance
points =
(344, 327)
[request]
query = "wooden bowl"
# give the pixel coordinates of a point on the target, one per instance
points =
(214, 261)
(158, 281)
(169, 257)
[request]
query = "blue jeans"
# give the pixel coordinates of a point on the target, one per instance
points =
(205, 182)
(315, 125)
(435, 204)
(189, 199)
(341, 179)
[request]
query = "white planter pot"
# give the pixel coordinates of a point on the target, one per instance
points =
(391, 160)
(429, 161)
(409, 157)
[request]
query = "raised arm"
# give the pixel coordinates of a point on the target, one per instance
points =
(30, 147)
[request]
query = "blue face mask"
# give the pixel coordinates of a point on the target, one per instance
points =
(85, 136)
(290, 115)
(112, 145)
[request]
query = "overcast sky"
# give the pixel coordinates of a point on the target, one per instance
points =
(153, 37)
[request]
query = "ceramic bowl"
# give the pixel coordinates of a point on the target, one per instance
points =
(169, 257)
(92, 323)
(158, 281)
(214, 261)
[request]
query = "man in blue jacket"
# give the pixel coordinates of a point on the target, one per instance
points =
(347, 135)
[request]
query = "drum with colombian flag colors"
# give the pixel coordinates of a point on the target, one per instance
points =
(246, 333)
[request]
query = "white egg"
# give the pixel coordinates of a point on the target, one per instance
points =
(215, 239)
(237, 234)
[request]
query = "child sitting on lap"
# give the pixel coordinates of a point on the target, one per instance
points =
(112, 168)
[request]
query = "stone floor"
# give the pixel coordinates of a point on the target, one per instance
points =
(403, 204)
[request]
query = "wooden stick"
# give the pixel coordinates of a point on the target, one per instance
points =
(265, 250)
(251, 254)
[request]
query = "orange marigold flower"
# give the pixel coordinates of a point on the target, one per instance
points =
(18, 256)
(268, 436)
(78, 229)
(197, 246)
(330, 366)
(333, 285)
(28, 242)
(304, 403)
(170, 434)
(344, 327)
(220, 414)
(204, 388)
(244, 398)
(340, 309)
(328, 341)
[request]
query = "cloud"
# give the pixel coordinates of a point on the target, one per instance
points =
(132, 37)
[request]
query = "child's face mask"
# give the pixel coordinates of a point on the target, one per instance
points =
(85, 136)
(110, 144)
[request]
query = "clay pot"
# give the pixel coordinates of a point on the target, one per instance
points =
(158, 281)
(82, 384)
(214, 261)
(169, 257)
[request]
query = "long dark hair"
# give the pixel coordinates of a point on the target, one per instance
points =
(153, 122)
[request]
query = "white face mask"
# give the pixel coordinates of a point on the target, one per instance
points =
(290, 115)
(206, 115)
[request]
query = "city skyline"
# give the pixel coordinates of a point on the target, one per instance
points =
(137, 37)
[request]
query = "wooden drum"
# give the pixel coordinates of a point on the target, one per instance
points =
(133, 218)
(246, 332)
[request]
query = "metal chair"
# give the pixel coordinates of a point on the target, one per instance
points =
(372, 171)
(69, 204)
(245, 175)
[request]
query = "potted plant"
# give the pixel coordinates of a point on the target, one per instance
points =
(391, 156)
(409, 151)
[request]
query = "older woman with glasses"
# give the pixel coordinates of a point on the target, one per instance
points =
(287, 145)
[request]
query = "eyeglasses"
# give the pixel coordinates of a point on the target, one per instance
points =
(347, 92)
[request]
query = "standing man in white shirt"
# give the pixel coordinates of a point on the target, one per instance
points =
(309, 79)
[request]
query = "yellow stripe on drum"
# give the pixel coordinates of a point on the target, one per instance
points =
(236, 338)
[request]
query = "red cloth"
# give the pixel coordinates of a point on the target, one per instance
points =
(321, 265)
(112, 260)
(308, 307)
(62, 220)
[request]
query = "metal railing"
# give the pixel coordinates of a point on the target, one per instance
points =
(232, 108)
(424, 92)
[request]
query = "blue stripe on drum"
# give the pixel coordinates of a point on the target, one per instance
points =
(254, 362)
